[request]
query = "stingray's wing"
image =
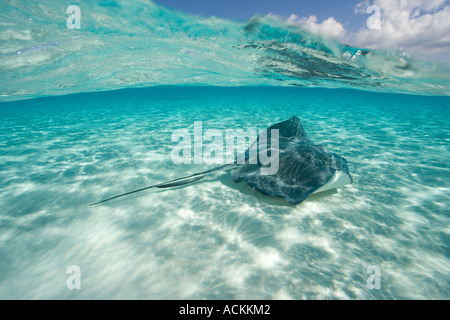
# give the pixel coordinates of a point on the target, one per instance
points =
(288, 130)
(303, 168)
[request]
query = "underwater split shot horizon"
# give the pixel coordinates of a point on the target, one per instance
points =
(88, 114)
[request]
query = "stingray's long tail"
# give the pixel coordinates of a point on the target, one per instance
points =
(172, 183)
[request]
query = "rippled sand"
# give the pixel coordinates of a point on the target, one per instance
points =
(217, 239)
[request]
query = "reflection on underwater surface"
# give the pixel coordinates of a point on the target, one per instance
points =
(124, 44)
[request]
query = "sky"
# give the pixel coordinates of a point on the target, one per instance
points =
(245, 9)
(419, 27)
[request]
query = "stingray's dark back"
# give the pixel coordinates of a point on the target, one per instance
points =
(303, 166)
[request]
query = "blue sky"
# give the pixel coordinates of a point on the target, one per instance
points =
(420, 27)
(342, 10)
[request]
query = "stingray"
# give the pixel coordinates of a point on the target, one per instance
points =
(303, 168)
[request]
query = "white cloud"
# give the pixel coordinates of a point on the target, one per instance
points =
(415, 25)
(419, 27)
(328, 28)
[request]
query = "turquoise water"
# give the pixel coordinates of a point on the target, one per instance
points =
(90, 114)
